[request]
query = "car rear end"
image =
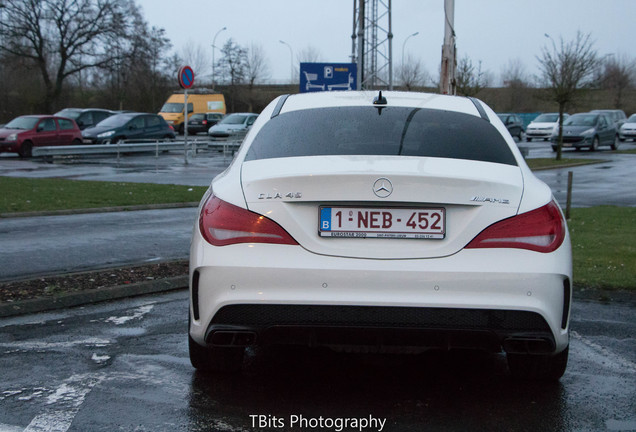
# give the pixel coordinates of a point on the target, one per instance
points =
(405, 225)
(540, 130)
(628, 130)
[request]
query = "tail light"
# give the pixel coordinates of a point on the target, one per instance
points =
(204, 122)
(222, 224)
(541, 230)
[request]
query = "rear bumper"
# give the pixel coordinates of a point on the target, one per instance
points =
(531, 133)
(245, 294)
(381, 328)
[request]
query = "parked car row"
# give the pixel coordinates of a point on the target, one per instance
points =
(589, 130)
(75, 126)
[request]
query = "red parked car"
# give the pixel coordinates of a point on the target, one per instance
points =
(23, 133)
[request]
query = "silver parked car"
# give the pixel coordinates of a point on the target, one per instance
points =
(628, 129)
(233, 126)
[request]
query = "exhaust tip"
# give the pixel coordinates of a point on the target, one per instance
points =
(232, 338)
(520, 345)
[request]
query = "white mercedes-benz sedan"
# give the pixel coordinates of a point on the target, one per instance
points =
(384, 222)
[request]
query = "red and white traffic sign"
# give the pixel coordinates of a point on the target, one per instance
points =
(185, 77)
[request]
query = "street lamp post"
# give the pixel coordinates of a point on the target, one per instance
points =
(291, 54)
(404, 44)
(551, 40)
(213, 49)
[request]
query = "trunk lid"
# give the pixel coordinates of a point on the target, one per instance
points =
(473, 194)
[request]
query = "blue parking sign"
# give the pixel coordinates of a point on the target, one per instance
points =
(315, 77)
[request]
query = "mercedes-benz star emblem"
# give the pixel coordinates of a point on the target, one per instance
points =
(382, 188)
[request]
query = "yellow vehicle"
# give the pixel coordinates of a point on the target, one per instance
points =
(172, 109)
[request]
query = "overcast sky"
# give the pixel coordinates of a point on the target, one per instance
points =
(491, 31)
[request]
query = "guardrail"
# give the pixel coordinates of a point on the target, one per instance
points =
(136, 147)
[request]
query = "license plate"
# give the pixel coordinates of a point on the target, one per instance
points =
(390, 222)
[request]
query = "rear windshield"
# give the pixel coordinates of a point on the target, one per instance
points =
(69, 113)
(547, 118)
(391, 132)
(116, 120)
(234, 119)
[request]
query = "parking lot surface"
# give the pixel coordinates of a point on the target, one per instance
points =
(124, 366)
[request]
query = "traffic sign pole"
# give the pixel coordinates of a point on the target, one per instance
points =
(185, 126)
(185, 76)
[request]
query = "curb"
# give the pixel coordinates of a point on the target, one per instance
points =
(92, 296)
(100, 210)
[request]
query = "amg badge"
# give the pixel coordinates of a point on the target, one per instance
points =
(490, 200)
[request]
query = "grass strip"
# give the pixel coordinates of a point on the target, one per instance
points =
(27, 194)
(632, 151)
(603, 238)
(604, 247)
(548, 163)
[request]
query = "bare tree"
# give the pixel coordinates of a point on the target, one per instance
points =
(61, 37)
(257, 65)
(257, 71)
(516, 81)
(309, 54)
(412, 73)
(470, 79)
(137, 76)
(195, 56)
(514, 74)
(566, 71)
(618, 74)
(233, 67)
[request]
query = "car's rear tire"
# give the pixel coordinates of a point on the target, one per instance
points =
(26, 149)
(616, 143)
(538, 367)
(76, 142)
(554, 148)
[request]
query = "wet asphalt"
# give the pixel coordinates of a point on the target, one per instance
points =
(123, 366)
